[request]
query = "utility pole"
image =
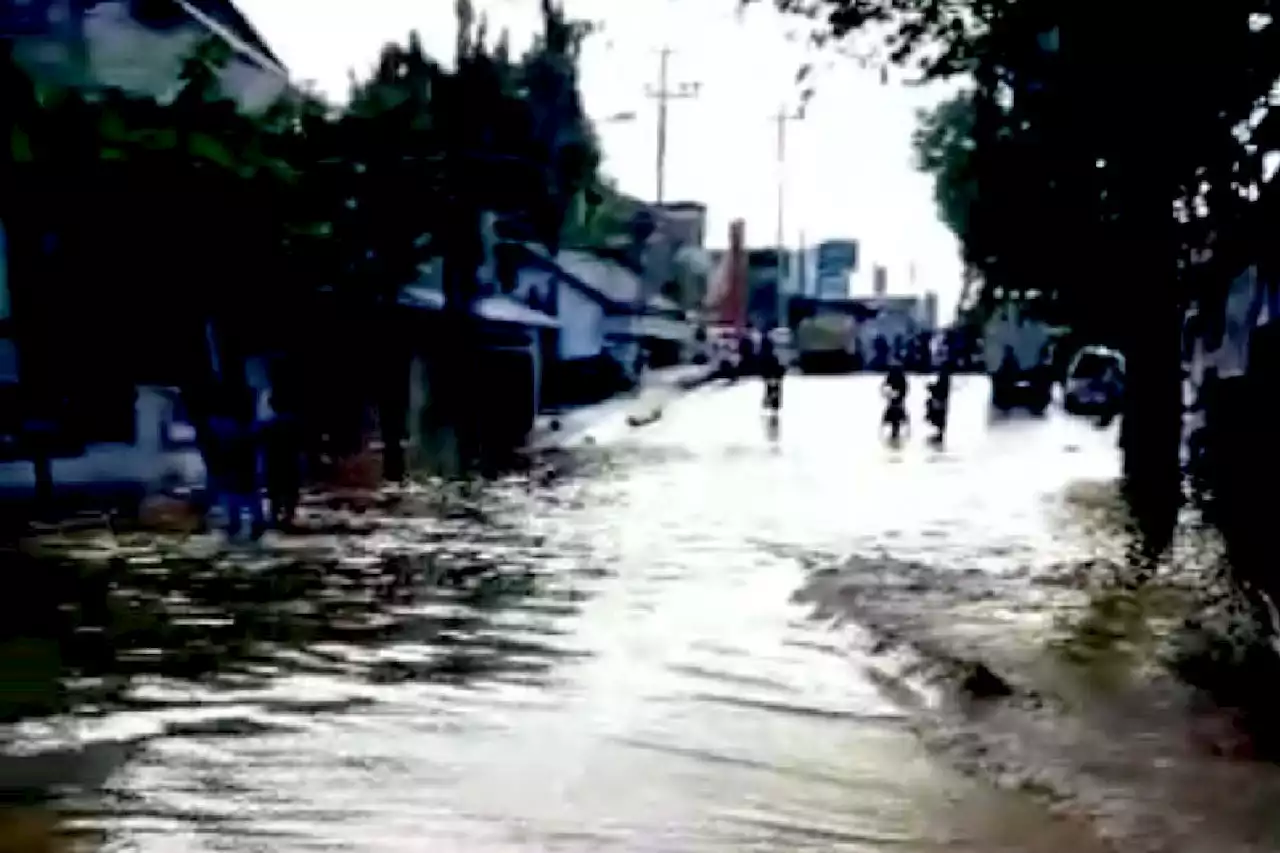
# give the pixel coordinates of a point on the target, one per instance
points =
(663, 94)
(783, 118)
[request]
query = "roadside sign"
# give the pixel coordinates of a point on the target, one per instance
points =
(836, 261)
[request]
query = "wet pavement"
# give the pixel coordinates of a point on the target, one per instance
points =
(613, 660)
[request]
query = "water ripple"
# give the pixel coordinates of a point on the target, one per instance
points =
(609, 659)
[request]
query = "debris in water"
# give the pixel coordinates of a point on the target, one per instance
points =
(981, 683)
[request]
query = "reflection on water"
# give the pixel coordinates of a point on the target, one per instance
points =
(609, 660)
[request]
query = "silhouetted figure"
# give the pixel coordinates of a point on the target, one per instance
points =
(771, 371)
(232, 461)
(282, 452)
(938, 402)
(895, 392)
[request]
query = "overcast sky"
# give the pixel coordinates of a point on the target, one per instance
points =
(848, 164)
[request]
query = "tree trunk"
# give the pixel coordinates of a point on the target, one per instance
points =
(393, 408)
(29, 267)
(453, 422)
(1151, 431)
(1247, 465)
(1150, 317)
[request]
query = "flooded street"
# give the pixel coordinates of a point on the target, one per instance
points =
(611, 662)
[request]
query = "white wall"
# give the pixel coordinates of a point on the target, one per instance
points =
(145, 463)
(581, 324)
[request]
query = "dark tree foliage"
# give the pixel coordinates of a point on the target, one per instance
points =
(1106, 143)
(136, 225)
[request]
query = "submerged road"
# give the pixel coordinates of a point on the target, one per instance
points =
(611, 662)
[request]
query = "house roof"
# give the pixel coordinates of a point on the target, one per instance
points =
(503, 309)
(601, 279)
(227, 21)
(423, 296)
(496, 308)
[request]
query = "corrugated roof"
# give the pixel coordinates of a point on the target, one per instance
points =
(496, 308)
(504, 309)
(602, 278)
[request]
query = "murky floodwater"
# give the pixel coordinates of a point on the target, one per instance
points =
(608, 662)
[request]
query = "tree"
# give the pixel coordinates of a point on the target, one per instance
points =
(434, 150)
(944, 144)
(134, 225)
(1126, 133)
(606, 218)
(563, 136)
(284, 230)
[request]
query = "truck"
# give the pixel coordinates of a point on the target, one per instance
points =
(826, 342)
(1017, 352)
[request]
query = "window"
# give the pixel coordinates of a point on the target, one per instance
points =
(1091, 366)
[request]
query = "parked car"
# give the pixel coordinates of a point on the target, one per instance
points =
(1094, 382)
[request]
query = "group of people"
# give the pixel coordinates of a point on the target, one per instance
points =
(936, 404)
(895, 389)
(253, 451)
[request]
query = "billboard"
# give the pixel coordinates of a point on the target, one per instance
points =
(836, 262)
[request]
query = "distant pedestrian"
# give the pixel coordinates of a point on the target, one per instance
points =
(232, 460)
(282, 453)
(771, 371)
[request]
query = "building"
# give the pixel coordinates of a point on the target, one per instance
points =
(605, 309)
(140, 45)
(514, 335)
(824, 270)
(604, 324)
(835, 263)
(766, 271)
(929, 311)
(879, 281)
(675, 263)
(750, 286)
(154, 449)
(683, 222)
(127, 441)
